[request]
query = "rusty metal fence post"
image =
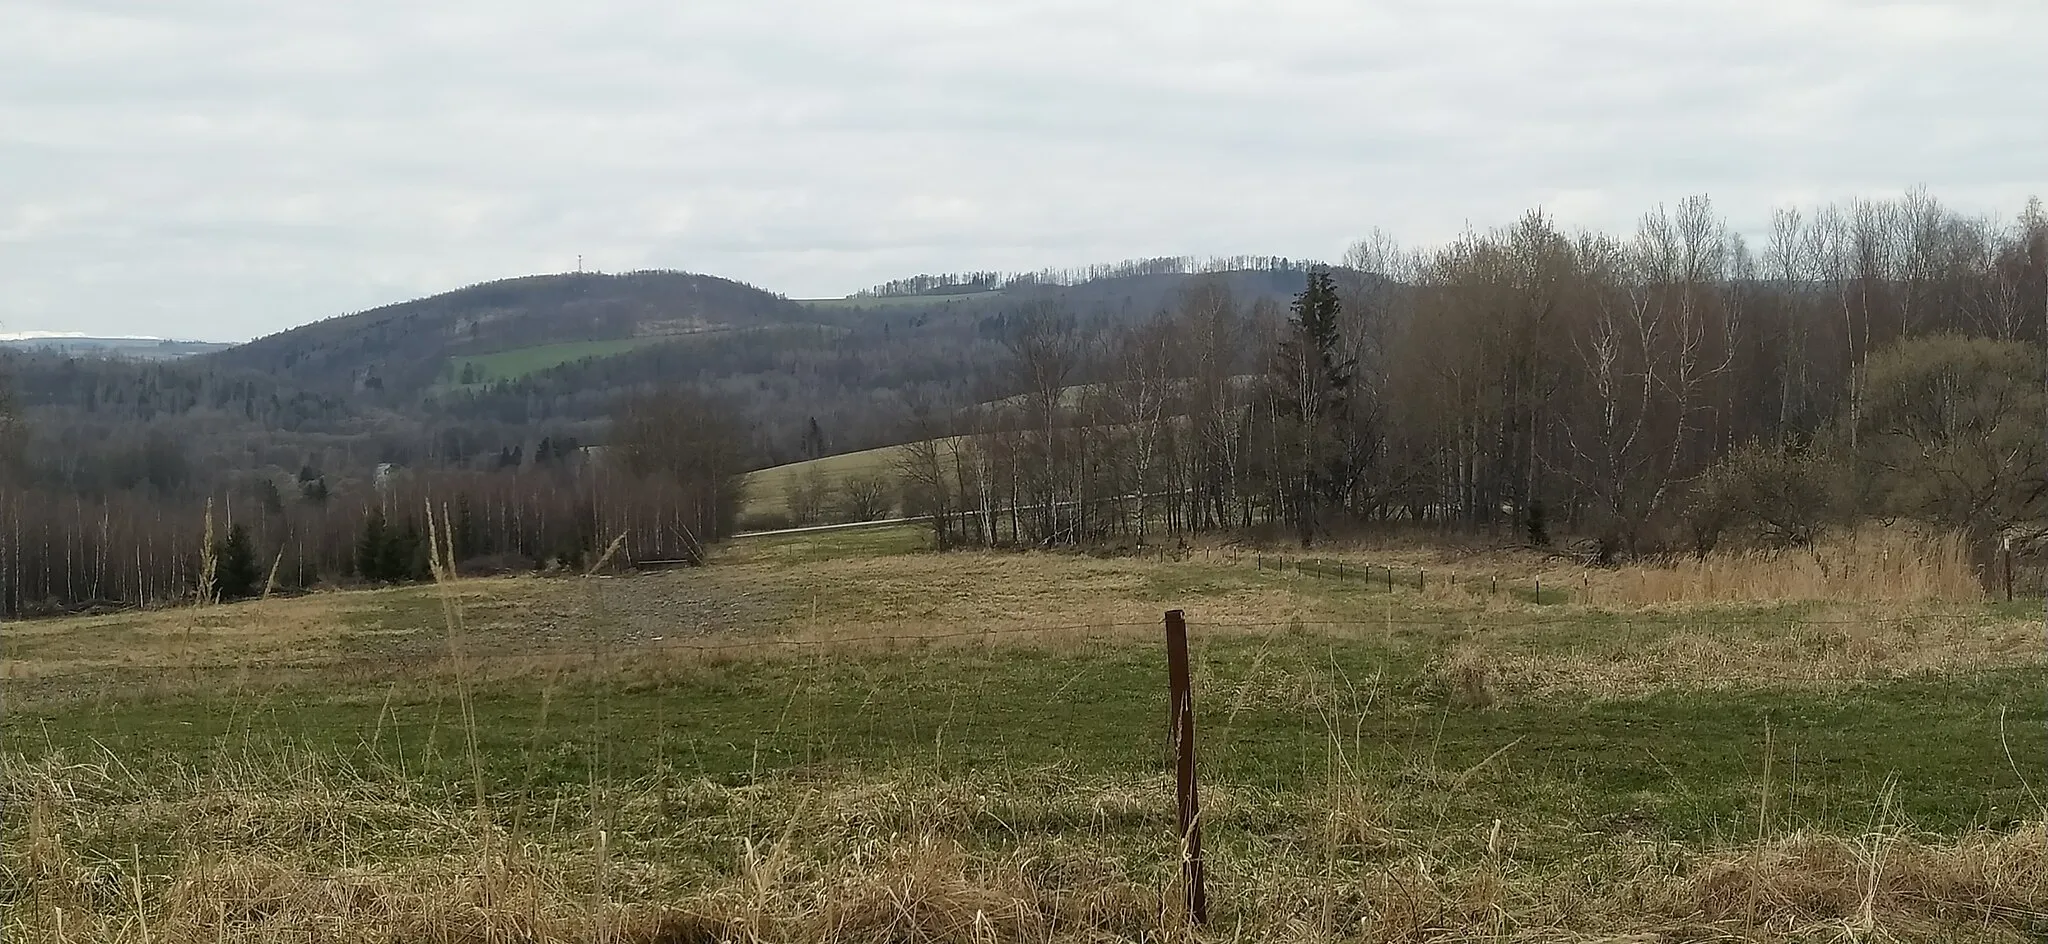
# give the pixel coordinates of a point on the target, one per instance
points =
(1182, 721)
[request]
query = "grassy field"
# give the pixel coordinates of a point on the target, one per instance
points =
(842, 737)
(767, 490)
(896, 301)
(519, 362)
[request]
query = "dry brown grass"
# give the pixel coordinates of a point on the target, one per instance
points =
(1901, 564)
(1879, 886)
(1830, 649)
(278, 846)
(864, 596)
(274, 858)
(971, 587)
(1467, 676)
(1493, 652)
(303, 628)
(1688, 623)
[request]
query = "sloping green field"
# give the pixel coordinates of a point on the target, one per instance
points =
(768, 489)
(896, 301)
(519, 362)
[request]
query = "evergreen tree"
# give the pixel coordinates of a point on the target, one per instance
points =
(814, 440)
(268, 496)
(394, 558)
(1312, 393)
(234, 566)
(1538, 523)
(464, 538)
(370, 546)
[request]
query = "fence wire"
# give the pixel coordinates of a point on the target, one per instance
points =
(456, 656)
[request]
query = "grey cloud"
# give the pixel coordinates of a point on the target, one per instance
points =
(232, 167)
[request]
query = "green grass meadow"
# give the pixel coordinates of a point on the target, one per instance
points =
(519, 362)
(753, 775)
(1280, 718)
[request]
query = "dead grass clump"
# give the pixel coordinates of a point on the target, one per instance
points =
(1467, 675)
(1026, 855)
(927, 888)
(1879, 885)
(1357, 819)
(1832, 649)
(1900, 563)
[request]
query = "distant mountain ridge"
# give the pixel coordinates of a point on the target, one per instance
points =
(556, 352)
(403, 350)
(78, 343)
(481, 375)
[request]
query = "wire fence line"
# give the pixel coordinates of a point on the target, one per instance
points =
(1241, 761)
(1222, 684)
(456, 656)
(2000, 580)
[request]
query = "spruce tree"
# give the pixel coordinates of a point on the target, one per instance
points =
(370, 548)
(1538, 523)
(1313, 393)
(464, 538)
(394, 558)
(814, 440)
(234, 567)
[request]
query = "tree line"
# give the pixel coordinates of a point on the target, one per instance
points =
(1668, 389)
(966, 283)
(663, 490)
(1671, 388)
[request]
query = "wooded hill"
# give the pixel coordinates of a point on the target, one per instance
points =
(1650, 391)
(491, 374)
(392, 355)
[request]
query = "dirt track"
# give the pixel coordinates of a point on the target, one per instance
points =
(604, 611)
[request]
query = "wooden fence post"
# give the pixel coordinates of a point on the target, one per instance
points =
(2006, 546)
(1181, 689)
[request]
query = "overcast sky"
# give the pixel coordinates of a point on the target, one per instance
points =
(221, 169)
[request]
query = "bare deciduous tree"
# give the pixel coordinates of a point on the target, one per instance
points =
(810, 494)
(863, 497)
(1044, 354)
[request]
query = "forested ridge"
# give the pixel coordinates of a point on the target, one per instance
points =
(1662, 390)
(1668, 389)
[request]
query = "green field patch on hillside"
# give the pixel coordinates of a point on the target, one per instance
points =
(897, 301)
(470, 370)
(767, 490)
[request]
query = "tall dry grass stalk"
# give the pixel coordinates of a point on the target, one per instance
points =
(441, 564)
(1900, 563)
(270, 582)
(204, 593)
(306, 850)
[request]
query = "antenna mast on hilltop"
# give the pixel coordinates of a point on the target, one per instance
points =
(579, 263)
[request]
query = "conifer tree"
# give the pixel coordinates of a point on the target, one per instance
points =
(234, 569)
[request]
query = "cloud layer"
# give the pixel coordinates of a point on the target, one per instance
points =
(227, 168)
